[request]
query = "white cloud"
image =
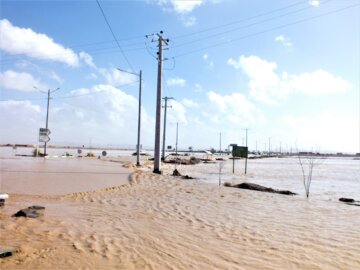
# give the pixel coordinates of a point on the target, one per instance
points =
(177, 113)
(268, 87)
(21, 121)
(264, 83)
(103, 113)
(16, 40)
(20, 81)
(180, 6)
(317, 83)
(208, 61)
(314, 131)
(234, 108)
(116, 77)
(176, 82)
(285, 41)
(198, 88)
(190, 103)
(189, 21)
(314, 3)
(87, 58)
(56, 77)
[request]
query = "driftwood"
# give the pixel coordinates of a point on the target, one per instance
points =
(183, 161)
(31, 212)
(256, 187)
(350, 201)
(177, 173)
(6, 252)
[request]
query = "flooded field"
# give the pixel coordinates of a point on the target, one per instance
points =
(165, 222)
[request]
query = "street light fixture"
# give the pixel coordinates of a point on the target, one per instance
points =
(139, 113)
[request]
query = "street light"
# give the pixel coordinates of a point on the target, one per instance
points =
(47, 111)
(139, 114)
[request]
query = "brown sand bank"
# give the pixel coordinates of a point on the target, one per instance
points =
(160, 222)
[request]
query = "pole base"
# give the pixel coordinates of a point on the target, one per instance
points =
(157, 171)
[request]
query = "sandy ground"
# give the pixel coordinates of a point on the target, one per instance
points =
(162, 222)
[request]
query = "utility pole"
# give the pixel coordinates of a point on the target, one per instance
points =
(49, 92)
(269, 145)
(246, 145)
(161, 41)
(139, 122)
(164, 132)
(139, 114)
(220, 143)
(176, 145)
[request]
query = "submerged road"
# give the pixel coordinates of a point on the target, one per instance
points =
(59, 176)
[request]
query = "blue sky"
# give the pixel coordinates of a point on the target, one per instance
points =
(285, 70)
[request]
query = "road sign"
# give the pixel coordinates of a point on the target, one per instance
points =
(240, 151)
(44, 131)
(44, 135)
(44, 138)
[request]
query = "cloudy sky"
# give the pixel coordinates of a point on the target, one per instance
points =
(288, 71)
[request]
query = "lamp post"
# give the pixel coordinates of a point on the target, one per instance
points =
(139, 114)
(49, 91)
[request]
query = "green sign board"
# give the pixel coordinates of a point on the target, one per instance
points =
(240, 151)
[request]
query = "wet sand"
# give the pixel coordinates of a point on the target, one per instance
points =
(162, 222)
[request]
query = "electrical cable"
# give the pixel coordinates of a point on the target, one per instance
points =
(243, 27)
(112, 32)
(239, 21)
(267, 30)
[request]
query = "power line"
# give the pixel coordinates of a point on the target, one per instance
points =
(267, 30)
(105, 50)
(243, 27)
(239, 21)
(112, 32)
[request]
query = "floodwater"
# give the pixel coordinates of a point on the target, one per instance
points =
(332, 177)
(164, 222)
(56, 175)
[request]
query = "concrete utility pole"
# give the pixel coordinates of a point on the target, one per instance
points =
(161, 41)
(220, 143)
(139, 114)
(164, 132)
(246, 145)
(176, 145)
(269, 144)
(139, 122)
(49, 92)
(47, 118)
